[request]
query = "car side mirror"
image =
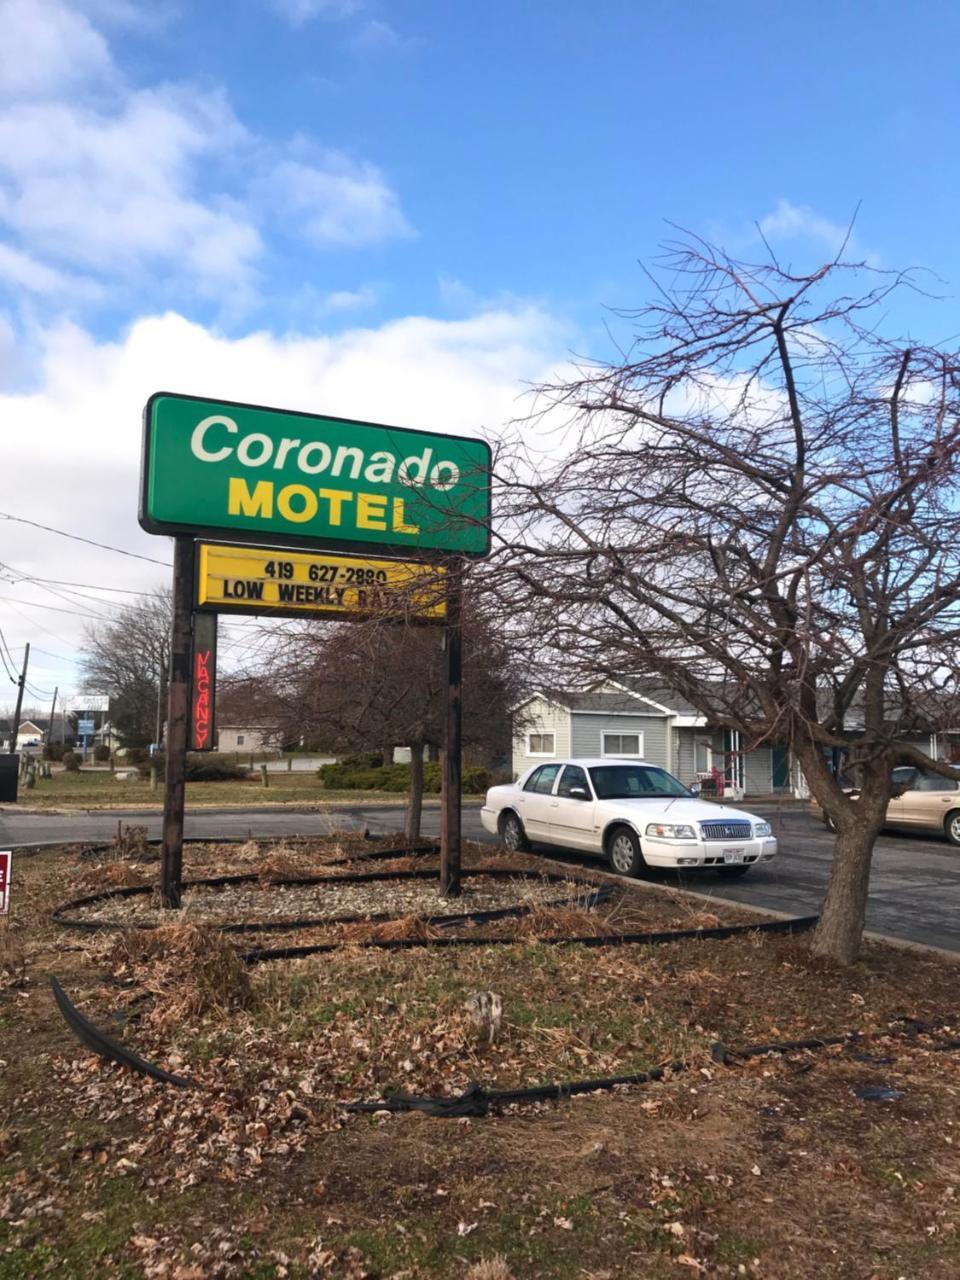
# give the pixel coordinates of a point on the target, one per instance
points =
(695, 789)
(578, 793)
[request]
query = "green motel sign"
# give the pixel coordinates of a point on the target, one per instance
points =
(245, 473)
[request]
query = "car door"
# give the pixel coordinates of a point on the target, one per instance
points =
(903, 777)
(534, 801)
(572, 817)
(928, 802)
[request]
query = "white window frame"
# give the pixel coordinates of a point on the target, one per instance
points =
(620, 755)
(542, 755)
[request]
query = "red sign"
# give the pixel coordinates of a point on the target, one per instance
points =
(204, 682)
(5, 857)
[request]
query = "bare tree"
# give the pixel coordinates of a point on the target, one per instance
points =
(757, 504)
(366, 686)
(123, 658)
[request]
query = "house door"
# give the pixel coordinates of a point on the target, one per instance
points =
(781, 768)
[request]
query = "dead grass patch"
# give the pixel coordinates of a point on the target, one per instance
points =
(407, 928)
(494, 1268)
(13, 958)
(114, 875)
(191, 970)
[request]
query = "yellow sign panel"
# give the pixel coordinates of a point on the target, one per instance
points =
(264, 580)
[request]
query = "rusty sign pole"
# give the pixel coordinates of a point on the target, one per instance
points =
(450, 783)
(178, 709)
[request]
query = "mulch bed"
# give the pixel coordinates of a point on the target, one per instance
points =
(775, 1168)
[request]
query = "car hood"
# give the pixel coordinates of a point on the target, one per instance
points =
(679, 810)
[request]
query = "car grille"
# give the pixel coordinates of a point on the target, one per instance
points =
(726, 830)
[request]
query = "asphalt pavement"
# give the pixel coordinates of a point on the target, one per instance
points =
(914, 891)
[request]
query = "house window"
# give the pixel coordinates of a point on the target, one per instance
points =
(702, 755)
(540, 744)
(622, 744)
(240, 739)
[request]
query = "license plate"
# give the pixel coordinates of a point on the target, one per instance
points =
(732, 855)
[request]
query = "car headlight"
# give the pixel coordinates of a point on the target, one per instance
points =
(762, 829)
(671, 831)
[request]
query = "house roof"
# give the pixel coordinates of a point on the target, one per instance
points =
(625, 696)
(41, 723)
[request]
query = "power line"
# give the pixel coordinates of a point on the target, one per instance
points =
(94, 617)
(61, 657)
(91, 586)
(58, 595)
(75, 537)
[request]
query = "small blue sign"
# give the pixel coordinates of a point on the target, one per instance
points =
(86, 728)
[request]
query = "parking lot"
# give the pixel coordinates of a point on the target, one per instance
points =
(914, 894)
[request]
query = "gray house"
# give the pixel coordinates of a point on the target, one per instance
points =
(656, 725)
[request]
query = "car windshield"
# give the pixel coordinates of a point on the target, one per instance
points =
(635, 782)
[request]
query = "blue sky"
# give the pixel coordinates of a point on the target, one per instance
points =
(407, 210)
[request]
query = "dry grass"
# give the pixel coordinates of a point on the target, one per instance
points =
(489, 1269)
(13, 958)
(191, 970)
(114, 875)
(564, 922)
(406, 928)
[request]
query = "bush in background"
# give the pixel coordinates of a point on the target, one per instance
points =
(53, 751)
(101, 753)
(200, 768)
(71, 761)
(344, 776)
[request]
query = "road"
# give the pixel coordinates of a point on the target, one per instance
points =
(914, 895)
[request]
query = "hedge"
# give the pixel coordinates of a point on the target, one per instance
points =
(396, 777)
(199, 768)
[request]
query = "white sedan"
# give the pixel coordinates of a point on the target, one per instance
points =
(635, 814)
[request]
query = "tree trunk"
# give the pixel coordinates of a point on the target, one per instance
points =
(415, 797)
(839, 933)
(857, 822)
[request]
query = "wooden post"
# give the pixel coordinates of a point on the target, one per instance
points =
(178, 708)
(450, 777)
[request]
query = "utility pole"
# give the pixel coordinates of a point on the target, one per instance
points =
(53, 708)
(158, 728)
(20, 683)
(450, 784)
(178, 711)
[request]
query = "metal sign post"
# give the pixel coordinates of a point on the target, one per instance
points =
(450, 783)
(317, 489)
(178, 709)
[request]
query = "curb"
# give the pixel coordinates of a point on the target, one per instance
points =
(901, 944)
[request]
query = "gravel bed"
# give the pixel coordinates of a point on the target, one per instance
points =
(253, 902)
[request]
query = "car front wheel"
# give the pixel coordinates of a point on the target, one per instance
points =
(512, 835)
(951, 827)
(623, 850)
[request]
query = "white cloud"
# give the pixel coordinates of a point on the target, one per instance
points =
(162, 184)
(348, 299)
(72, 445)
(112, 191)
(791, 221)
(339, 201)
(299, 12)
(47, 46)
(376, 36)
(24, 272)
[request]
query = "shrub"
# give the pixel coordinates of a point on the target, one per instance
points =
(200, 768)
(53, 751)
(135, 755)
(396, 777)
(71, 761)
(101, 753)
